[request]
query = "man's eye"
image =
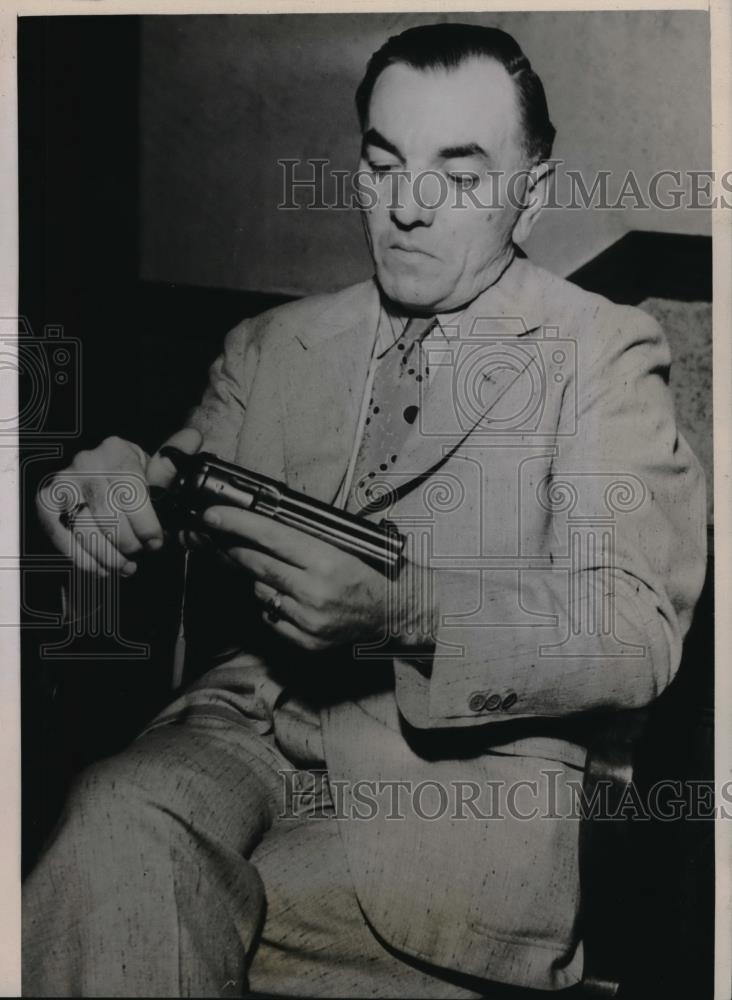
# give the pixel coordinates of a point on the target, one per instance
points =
(466, 181)
(381, 169)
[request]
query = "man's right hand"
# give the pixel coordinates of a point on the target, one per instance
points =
(98, 510)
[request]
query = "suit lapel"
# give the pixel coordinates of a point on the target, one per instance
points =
(323, 373)
(475, 371)
(321, 388)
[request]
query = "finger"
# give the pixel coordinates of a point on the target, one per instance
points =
(288, 608)
(65, 538)
(269, 570)
(160, 470)
(295, 635)
(264, 593)
(85, 560)
(288, 544)
(118, 531)
(88, 534)
(68, 545)
(60, 537)
(114, 484)
(145, 525)
(121, 504)
(284, 607)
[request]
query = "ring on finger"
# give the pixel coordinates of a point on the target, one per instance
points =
(274, 606)
(68, 517)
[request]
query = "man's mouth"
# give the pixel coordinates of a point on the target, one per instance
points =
(404, 248)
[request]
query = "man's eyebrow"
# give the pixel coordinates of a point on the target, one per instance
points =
(467, 149)
(372, 137)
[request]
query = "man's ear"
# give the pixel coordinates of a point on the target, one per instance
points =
(536, 193)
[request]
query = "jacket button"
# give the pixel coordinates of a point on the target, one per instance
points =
(476, 702)
(509, 701)
(493, 702)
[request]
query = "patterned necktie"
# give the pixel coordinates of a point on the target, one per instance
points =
(393, 409)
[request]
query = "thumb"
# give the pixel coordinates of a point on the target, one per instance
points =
(160, 470)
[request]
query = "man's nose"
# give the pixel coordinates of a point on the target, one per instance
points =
(416, 198)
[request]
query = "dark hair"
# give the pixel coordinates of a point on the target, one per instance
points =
(446, 46)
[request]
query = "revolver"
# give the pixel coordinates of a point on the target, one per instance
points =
(203, 481)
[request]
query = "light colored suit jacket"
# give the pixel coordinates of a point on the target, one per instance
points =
(563, 519)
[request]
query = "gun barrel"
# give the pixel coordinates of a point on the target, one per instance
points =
(373, 543)
(204, 480)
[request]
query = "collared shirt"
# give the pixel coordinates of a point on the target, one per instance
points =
(389, 330)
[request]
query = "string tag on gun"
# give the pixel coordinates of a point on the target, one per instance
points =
(179, 651)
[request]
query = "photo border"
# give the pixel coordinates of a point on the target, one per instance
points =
(721, 46)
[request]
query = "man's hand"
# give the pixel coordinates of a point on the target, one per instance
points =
(98, 510)
(326, 597)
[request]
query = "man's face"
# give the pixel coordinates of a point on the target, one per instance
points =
(458, 136)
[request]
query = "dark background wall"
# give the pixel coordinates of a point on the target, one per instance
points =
(223, 98)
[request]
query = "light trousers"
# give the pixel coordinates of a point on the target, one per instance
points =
(178, 869)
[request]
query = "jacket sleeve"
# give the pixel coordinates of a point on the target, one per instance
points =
(220, 414)
(624, 565)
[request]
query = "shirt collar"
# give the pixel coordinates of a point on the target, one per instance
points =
(392, 325)
(504, 300)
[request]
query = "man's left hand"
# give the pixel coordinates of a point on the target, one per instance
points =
(327, 597)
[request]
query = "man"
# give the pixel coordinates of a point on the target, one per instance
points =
(520, 433)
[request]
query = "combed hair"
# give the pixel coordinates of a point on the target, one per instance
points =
(446, 46)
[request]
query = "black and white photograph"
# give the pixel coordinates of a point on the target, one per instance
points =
(360, 388)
